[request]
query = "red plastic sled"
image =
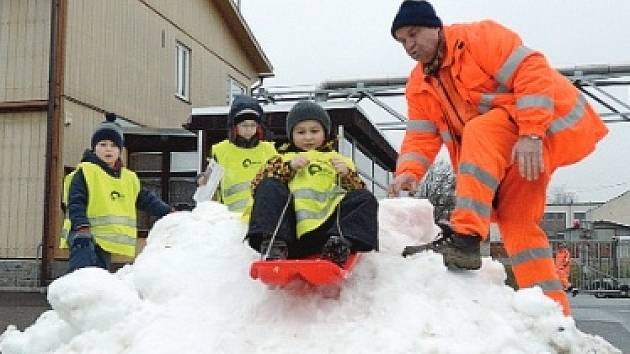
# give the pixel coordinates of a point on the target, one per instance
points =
(315, 272)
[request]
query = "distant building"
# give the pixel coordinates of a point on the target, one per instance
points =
(615, 210)
(559, 217)
(65, 63)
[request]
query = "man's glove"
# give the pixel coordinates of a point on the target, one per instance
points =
(405, 182)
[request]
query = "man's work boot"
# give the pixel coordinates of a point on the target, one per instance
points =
(279, 250)
(458, 251)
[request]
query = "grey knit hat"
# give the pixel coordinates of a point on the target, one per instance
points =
(307, 110)
(108, 130)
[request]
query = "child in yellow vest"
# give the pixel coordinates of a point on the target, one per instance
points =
(101, 198)
(311, 197)
(242, 154)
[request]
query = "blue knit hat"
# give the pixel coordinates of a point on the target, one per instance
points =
(415, 13)
(243, 108)
(108, 130)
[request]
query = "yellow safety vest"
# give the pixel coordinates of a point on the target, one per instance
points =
(65, 230)
(111, 209)
(240, 165)
(315, 188)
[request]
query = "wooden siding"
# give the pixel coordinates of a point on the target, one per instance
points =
(22, 154)
(24, 49)
(120, 57)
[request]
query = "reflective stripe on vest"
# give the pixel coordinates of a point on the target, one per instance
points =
(315, 190)
(241, 166)
(111, 208)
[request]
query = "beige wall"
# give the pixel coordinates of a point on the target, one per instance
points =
(615, 210)
(22, 157)
(24, 49)
(121, 57)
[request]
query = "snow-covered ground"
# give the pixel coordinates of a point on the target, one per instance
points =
(190, 292)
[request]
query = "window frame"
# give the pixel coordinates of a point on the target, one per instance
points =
(183, 54)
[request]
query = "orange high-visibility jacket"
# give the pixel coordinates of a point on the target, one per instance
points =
(490, 67)
(563, 260)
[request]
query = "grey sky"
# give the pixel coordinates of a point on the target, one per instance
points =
(313, 41)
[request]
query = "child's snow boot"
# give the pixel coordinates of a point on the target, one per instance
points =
(337, 250)
(278, 251)
(458, 251)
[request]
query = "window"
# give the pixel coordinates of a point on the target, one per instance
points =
(234, 88)
(183, 72)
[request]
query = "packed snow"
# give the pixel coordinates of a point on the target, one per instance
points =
(189, 291)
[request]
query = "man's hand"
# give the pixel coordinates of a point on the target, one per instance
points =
(298, 162)
(340, 166)
(528, 153)
(404, 181)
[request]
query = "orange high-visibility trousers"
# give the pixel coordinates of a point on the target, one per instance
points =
(485, 170)
(563, 267)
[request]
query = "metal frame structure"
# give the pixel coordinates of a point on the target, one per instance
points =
(592, 80)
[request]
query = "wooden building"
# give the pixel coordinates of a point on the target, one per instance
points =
(67, 62)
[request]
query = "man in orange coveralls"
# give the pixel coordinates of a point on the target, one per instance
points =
(563, 266)
(508, 120)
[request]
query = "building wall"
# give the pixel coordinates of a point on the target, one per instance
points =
(24, 49)
(121, 57)
(22, 157)
(615, 210)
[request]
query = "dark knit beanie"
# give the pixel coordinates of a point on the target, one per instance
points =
(108, 130)
(307, 110)
(415, 13)
(244, 108)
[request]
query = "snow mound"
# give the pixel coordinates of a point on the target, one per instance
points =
(190, 292)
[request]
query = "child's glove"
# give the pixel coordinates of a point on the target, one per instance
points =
(299, 162)
(83, 238)
(340, 166)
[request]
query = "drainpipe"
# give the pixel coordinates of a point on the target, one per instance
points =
(52, 186)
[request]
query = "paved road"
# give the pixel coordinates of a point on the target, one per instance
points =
(608, 318)
(21, 309)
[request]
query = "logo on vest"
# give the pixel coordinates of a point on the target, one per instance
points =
(314, 169)
(116, 195)
(248, 162)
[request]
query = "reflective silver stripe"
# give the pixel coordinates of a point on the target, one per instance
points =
(485, 102)
(301, 215)
(412, 156)
(117, 238)
(446, 136)
(510, 65)
(530, 255)
(238, 205)
(549, 285)
(570, 119)
(534, 101)
(477, 207)
(112, 220)
(479, 174)
(421, 126)
(311, 194)
(237, 188)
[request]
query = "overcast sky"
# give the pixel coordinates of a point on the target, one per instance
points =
(309, 42)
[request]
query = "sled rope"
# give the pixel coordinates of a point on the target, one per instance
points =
(275, 231)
